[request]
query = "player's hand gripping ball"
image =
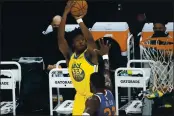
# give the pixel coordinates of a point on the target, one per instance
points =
(79, 8)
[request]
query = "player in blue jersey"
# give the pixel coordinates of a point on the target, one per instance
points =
(102, 103)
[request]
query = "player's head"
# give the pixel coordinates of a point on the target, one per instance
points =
(56, 21)
(159, 29)
(97, 81)
(78, 40)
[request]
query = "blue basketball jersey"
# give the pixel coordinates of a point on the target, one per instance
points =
(107, 104)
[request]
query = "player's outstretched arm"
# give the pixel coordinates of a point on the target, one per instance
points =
(104, 50)
(62, 43)
(91, 45)
(91, 106)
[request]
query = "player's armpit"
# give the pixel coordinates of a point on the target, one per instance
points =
(92, 104)
(92, 56)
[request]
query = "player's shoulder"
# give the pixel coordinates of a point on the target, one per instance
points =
(93, 100)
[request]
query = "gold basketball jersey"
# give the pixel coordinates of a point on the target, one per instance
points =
(80, 70)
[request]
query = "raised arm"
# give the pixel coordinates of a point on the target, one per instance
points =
(62, 43)
(89, 38)
(87, 34)
(104, 50)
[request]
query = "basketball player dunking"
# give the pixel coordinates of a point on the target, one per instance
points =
(102, 102)
(81, 59)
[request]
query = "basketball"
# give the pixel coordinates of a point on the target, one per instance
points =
(79, 8)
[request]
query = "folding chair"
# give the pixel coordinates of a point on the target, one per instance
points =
(6, 84)
(57, 81)
(17, 72)
(128, 82)
(10, 83)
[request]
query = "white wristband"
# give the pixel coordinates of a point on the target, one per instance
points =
(79, 21)
(85, 114)
(105, 57)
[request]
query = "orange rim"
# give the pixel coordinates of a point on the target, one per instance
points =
(157, 46)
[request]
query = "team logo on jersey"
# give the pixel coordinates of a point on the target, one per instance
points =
(77, 72)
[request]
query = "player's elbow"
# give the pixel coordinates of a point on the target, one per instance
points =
(90, 37)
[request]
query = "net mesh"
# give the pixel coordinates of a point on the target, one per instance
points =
(161, 52)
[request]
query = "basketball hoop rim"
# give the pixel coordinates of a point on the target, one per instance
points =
(157, 46)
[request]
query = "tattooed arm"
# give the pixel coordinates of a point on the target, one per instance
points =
(103, 51)
(108, 82)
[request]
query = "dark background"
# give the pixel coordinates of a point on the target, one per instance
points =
(23, 22)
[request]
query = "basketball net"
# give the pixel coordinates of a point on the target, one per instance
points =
(161, 51)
